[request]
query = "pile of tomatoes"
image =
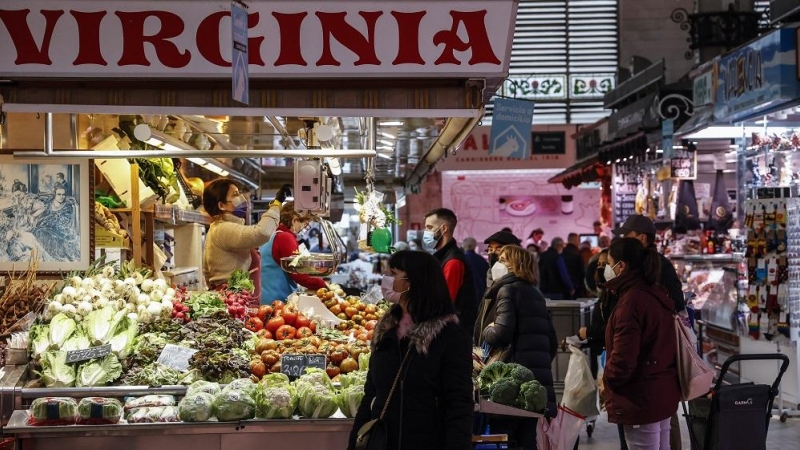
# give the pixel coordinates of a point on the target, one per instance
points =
(280, 321)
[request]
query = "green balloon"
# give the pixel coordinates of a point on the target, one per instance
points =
(381, 240)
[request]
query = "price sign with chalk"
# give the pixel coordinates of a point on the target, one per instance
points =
(295, 365)
(176, 357)
(74, 356)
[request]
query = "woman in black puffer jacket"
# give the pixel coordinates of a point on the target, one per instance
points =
(515, 317)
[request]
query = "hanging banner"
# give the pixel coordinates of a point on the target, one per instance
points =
(512, 123)
(240, 73)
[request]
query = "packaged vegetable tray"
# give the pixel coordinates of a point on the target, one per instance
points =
(50, 411)
(153, 414)
(149, 400)
(99, 411)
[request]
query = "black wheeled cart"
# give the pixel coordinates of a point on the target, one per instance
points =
(734, 416)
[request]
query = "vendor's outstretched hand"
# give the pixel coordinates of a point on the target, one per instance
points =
(283, 192)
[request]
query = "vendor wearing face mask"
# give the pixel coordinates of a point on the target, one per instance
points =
(230, 244)
(438, 240)
(276, 284)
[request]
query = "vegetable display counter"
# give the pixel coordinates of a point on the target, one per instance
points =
(319, 434)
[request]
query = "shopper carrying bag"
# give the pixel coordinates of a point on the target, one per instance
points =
(694, 375)
(374, 435)
(580, 388)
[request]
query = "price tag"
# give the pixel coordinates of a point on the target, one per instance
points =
(74, 356)
(176, 357)
(295, 365)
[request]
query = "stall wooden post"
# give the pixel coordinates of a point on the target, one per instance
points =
(136, 216)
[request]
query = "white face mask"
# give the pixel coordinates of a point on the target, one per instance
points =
(499, 270)
(387, 289)
(608, 272)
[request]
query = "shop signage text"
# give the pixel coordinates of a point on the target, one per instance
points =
(703, 89)
(757, 77)
(182, 38)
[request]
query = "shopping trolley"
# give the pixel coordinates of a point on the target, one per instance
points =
(734, 416)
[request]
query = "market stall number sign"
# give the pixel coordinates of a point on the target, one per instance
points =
(683, 168)
(295, 365)
(176, 357)
(74, 356)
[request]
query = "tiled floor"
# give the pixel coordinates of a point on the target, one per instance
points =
(781, 436)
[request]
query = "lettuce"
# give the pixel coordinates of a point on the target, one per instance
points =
(99, 372)
(196, 407)
(55, 371)
(101, 324)
(232, 404)
(123, 338)
(39, 339)
(78, 341)
(356, 378)
(61, 328)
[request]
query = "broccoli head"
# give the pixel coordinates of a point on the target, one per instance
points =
(520, 373)
(504, 391)
(532, 396)
(491, 374)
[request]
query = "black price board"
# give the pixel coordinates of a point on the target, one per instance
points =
(685, 167)
(295, 365)
(176, 357)
(74, 356)
(549, 143)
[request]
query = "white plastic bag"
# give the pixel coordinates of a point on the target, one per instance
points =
(580, 388)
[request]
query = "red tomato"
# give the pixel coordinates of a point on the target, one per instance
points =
(275, 323)
(370, 325)
(285, 332)
(277, 304)
(313, 326)
(303, 332)
(254, 324)
(302, 321)
(264, 312)
(289, 314)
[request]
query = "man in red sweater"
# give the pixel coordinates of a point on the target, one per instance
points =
(438, 240)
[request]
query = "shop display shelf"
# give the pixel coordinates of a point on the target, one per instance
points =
(488, 407)
(722, 257)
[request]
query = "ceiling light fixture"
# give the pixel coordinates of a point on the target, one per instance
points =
(392, 123)
(386, 143)
(384, 155)
(334, 165)
(387, 135)
(208, 165)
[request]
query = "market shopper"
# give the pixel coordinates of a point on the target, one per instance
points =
(555, 281)
(515, 326)
(230, 244)
(476, 264)
(438, 240)
(494, 244)
(276, 284)
(432, 406)
(640, 376)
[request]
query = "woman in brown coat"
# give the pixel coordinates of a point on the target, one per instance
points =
(640, 376)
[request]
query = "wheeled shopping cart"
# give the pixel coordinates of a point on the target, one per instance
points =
(734, 416)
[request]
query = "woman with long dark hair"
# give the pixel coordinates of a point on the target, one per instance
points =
(640, 377)
(432, 406)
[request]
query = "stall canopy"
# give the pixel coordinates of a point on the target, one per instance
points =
(428, 66)
(588, 167)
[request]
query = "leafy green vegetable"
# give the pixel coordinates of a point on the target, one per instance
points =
(357, 378)
(196, 407)
(240, 281)
(491, 374)
(99, 372)
(203, 386)
(242, 384)
(532, 396)
(55, 370)
(124, 337)
(61, 328)
(39, 339)
(98, 410)
(101, 324)
(233, 404)
(54, 410)
(78, 341)
(205, 304)
(275, 402)
(316, 401)
(349, 400)
(363, 361)
(274, 380)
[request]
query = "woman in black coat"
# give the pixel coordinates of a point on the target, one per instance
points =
(432, 407)
(516, 319)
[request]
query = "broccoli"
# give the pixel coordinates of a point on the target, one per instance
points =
(504, 391)
(491, 374)
(520, 373)
(532, 396)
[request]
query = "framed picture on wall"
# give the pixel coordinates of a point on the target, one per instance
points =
(45, 215)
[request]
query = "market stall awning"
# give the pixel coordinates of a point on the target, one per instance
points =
(702, 118)
(588, 170)
(632, 145)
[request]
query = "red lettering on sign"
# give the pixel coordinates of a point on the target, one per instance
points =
(89, 37)
(477, 39)
(335, 25)
(133, 39)
(17, 24)
(289, 26)
(408, 42)
(208, 39)
(254, 43)
(470, 144)
(485, 141)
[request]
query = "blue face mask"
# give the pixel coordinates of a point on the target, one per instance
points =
(429, 240)
(241, 211)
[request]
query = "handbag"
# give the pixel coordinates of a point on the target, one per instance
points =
(374, 435)
(694, 375)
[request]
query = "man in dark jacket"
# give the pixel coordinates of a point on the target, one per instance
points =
(574, 262)
(643, 229)
(439, 227)
(554, 280)
(476, 263)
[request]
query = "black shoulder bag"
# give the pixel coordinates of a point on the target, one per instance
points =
(374, 435)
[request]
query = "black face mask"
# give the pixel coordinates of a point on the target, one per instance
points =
(493, 258)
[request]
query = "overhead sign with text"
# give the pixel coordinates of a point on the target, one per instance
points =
(181, 38)
(552, 147)
(510, 134)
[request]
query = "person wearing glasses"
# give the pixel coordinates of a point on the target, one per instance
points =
(276, 284)
(230, 244)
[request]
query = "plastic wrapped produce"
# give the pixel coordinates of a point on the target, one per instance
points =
(196, 407)
(99, 411)
(203, 386)
(241, 384)
(149, 400)
(231, 405)
(153, 414)
(48, 411)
